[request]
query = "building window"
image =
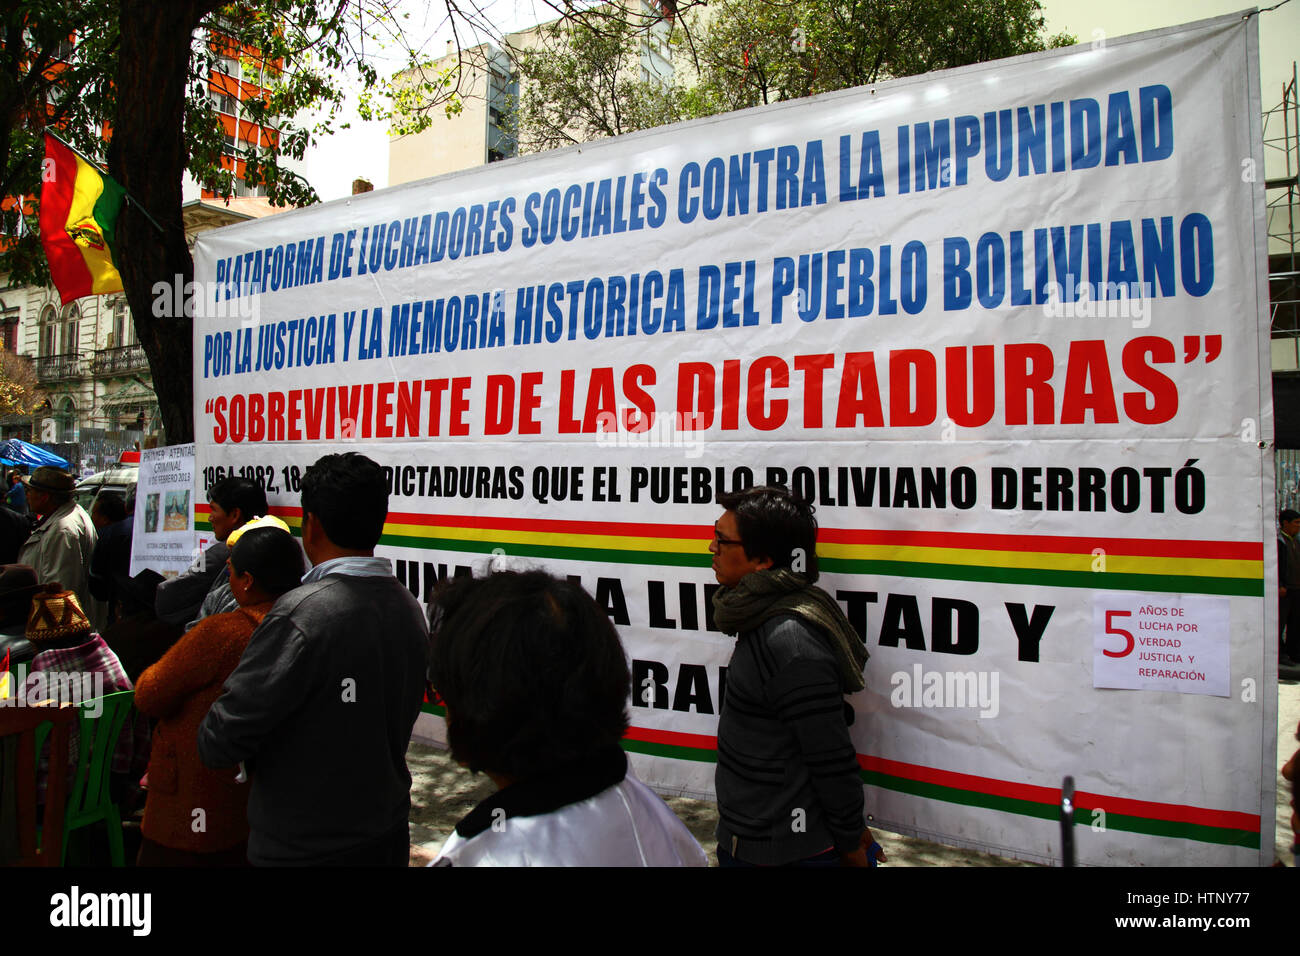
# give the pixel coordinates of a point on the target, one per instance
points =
(63, 50)
(49, 332)
(71, 330)
(11, 217)
(67, 421)
(244, 190)
(503, 90)
(224, 102)
(9, 329)
(499, 91)
(123, 328)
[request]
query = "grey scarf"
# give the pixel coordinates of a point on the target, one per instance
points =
(762, 595)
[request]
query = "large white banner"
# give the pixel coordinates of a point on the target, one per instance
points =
(1003, 325)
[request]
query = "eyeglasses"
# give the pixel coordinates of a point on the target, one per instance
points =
(719, 540)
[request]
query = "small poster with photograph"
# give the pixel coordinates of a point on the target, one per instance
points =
(151, 513)
(178, 511)
(164, 539)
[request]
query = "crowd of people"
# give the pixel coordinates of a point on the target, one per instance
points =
(278, 685)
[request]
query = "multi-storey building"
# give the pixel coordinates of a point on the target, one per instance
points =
(239, 76)
(489, 84)
(472, 137)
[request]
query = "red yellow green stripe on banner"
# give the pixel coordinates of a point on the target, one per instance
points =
(1179, 821)
(1228, 827)
(1127, 564)
(79, 210)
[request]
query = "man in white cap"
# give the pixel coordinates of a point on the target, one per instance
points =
(61, 545)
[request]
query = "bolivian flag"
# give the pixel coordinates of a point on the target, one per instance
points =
(79, 209)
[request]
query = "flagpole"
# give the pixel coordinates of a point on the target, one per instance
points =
(129, 198)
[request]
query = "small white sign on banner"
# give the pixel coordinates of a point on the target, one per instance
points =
(164, 537)
(1167, 642)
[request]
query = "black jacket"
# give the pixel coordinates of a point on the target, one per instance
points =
(14, 529)
(788, 781)
(178, 599)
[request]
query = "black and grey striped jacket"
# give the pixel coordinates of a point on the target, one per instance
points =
(788, 781)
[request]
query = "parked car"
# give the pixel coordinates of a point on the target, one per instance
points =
(121, 477)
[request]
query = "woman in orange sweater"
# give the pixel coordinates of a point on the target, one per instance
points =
(195, 816)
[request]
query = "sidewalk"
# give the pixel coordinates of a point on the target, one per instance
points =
(442, 792)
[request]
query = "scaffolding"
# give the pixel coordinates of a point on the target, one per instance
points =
(1282, 190)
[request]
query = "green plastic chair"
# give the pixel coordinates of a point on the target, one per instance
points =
(89, 800)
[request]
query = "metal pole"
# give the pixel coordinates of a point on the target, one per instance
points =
(1067, 822)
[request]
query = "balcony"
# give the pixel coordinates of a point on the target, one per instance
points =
(119, 361)
(58, 368)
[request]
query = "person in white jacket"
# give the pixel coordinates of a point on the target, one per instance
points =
(536, 685)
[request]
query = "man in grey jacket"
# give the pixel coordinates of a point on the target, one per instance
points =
(61, 545)
(788, 785)
(323, 702)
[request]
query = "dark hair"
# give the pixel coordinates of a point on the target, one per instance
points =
(273, 557)
(111, 505)
(241, 493)
(531, 669)
(1287, 514)
(348, 494)
(775, 524)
